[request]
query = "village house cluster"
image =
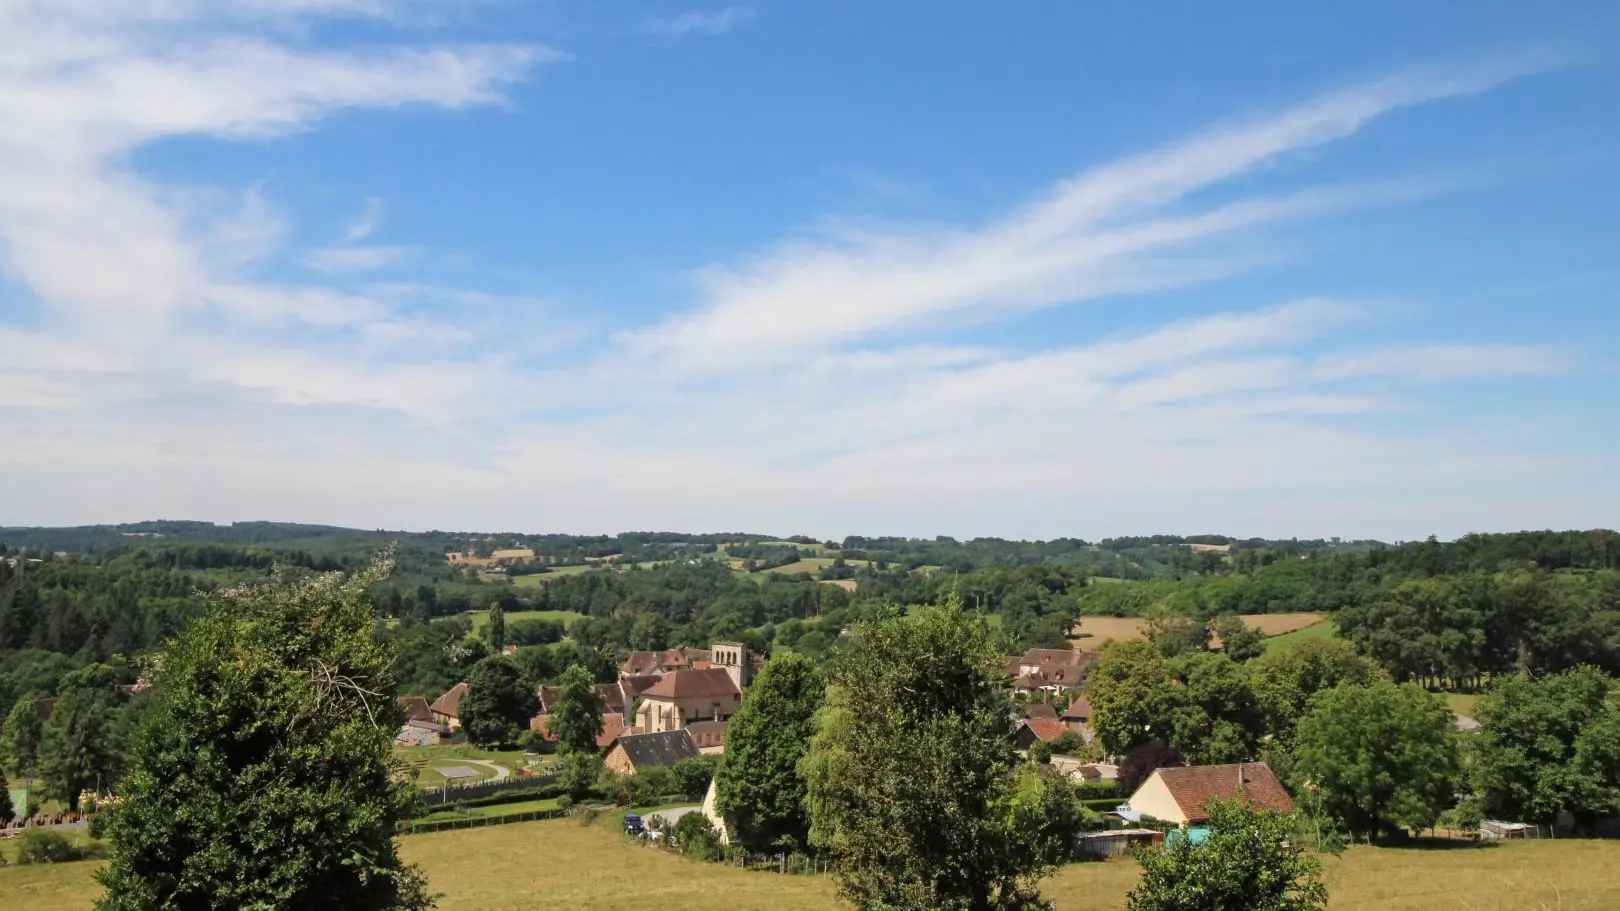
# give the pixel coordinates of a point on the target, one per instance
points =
(675, 704)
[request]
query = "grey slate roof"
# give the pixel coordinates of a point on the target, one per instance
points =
(665, 748)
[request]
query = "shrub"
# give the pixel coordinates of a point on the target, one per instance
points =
(565, 802)
(693, 774)
(41, 846)
(646, 787)
(535, 742)
(1040, 752)
(695, 836)
(98, 824)
(1068, 743)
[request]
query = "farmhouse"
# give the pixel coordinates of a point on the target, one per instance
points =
(1042, 729)
(664, 662)
(1077, 718)
(447, 708)
(636, 752)
(612, 729)
(1050, 670)
(1180, 795)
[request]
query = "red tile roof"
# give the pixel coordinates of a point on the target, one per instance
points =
(612, 727)
(693, 683)
(450, 703)
(1078, 710)
(1047, 729)
(1193, 787)
(415, 708)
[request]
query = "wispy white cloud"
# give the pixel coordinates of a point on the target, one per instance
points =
(818, 386)
(364, 222)
(1106, 232)
(700, 22)
(354, 258)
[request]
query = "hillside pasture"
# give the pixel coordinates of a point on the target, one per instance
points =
(1324, 630)
(560, 864)
(1094, 631)
(480, 618)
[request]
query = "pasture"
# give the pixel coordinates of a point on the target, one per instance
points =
(480, 618)
(1094, 631)
(561, 864)
(1323, 630)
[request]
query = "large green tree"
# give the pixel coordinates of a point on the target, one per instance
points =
(77, 752)
(1239, 641)
(1200, 703)
(263, 778)
(498, 704)
(495, 629)
(759, 786)
(1251, 861)
(1378, 758)
(1540, 750)
(912, 782)
(1123, 686)
(576, 721)
(1286, 679)
(19, 743)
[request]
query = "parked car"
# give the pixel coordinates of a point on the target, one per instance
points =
(633, 825)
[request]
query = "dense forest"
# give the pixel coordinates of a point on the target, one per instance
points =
(1452, 614)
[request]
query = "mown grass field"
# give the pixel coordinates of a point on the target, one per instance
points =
(427, 759)
(565, 617)
(1323, 630)
(563, 865)
(1097, 630)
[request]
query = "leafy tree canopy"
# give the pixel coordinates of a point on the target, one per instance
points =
(262, 778)
(1251, 861)
(498, 704)
(1378, 758)
(911, 772)
(759, 786)
(1543, 747)
(577, 718)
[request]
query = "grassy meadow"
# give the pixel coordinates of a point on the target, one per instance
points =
(561, 864)
(565, 617)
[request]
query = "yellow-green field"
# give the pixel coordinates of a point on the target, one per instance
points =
(1323, 630)
(560, 864)
(1094, 631)
(565, 617)
(1463, 703)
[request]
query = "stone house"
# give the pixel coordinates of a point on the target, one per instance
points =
(447, 708)
(633, 753)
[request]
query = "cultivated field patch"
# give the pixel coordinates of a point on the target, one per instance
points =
(1097, 630)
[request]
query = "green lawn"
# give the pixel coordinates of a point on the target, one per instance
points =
(1323, 630)
(426, 759)
(481, 618)
(1462, 703)
(535, 580)
(498, 810)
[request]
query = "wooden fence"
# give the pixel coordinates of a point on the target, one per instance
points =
(453, 793)
(477, 822)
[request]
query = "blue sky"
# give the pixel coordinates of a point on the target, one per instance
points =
(829, 268)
